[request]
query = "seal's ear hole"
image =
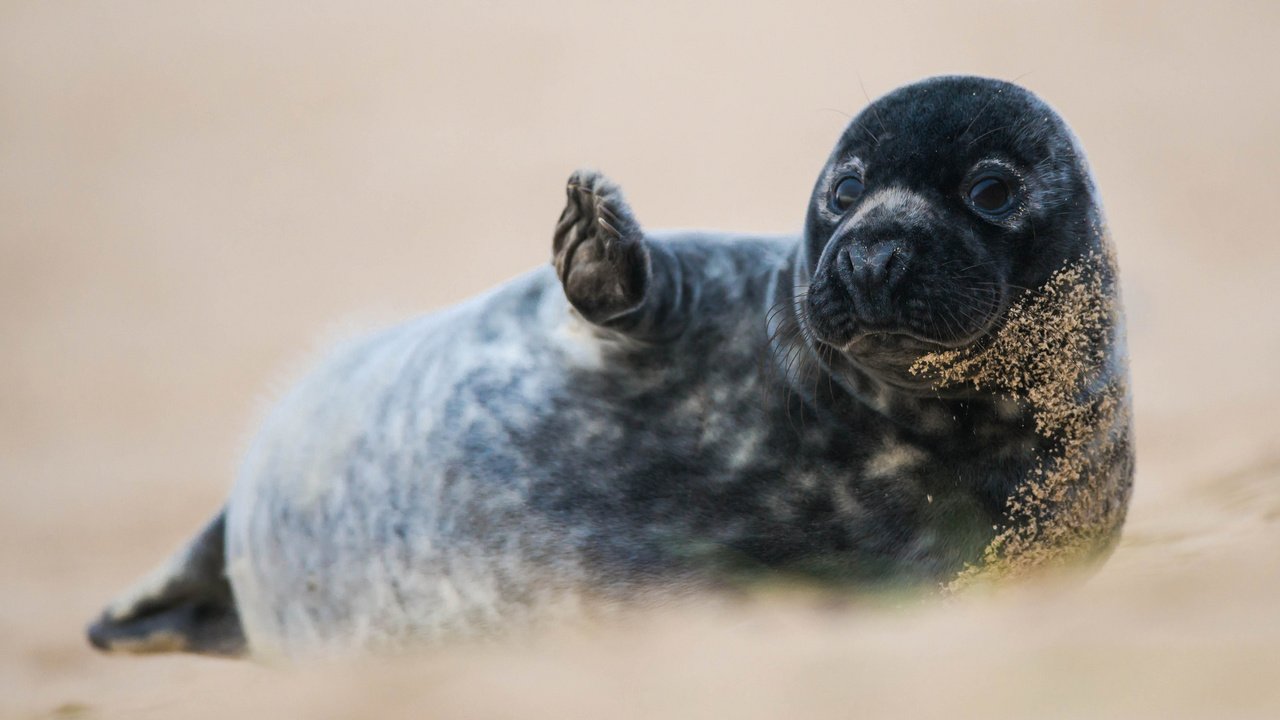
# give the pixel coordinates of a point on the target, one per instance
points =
(991, 195)
(846, 193)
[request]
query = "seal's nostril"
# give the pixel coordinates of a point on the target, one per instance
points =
(876, 265)
(846, 267)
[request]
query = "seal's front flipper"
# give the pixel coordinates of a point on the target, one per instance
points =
(611, 274)
(185, 605)
(598, 249)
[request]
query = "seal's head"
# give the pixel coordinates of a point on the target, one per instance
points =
(941, 204)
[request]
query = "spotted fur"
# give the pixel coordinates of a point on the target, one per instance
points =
(660, 414)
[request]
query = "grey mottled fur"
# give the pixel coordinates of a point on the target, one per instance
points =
(661, 423)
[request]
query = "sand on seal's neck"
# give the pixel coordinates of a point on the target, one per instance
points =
(1061, 352)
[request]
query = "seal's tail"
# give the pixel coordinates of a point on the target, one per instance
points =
(185, 605)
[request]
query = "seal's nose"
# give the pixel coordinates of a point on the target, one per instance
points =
(873, 269)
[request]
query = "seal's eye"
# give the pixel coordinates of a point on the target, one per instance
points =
(847, 191)
(991, 195)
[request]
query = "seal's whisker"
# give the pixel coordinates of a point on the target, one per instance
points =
(998, 286)
(989, 132)
(874, 110)
(978, 114)
(984, 263)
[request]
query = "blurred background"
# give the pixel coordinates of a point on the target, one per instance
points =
(195, 197)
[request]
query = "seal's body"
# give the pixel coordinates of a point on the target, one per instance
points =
(670, 412)
(468, 469)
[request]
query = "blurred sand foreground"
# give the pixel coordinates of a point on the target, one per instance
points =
(194, 195)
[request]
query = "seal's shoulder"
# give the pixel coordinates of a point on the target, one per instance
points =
(713, 241)
(725, 256)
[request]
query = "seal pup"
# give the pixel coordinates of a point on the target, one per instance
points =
(900, 395)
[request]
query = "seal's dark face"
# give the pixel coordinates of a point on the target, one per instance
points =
(942, 202)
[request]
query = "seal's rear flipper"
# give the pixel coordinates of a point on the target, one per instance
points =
(185, 605)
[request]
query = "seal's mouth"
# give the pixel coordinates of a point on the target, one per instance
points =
(863, 341)
(939, 313)
(866, 339)
(888, 353)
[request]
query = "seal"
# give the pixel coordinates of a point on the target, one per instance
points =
(926, 387)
